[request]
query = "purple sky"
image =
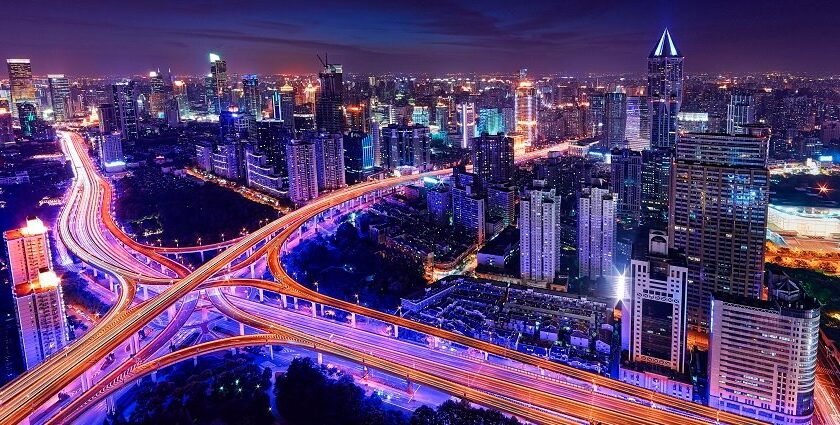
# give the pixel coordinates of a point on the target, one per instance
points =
(277, 36)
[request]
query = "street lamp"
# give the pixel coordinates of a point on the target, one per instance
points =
(357, 298)
(316, 288)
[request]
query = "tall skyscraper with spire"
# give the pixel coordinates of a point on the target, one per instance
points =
(665, 90)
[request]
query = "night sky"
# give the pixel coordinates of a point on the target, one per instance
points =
(282, 36)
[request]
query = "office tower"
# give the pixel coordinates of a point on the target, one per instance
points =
(501, 203)
(615, 120)
(260, 175)
(719, 196)
(596, 232)
(633, 124)
(763, 355)
(28, 118)
(442, 116)
(157, 94)
(740, 111)
(626, 183)
(525, 107)
(111, 152)
(420, 115)
(405, 146)
(539, 233)
(230, 125)
(328, 113)
(468, 206)
(108, 122)
(284, 105)
(179, 90)
(21, 85)
(303, 174)
(490, 122)
(60, 96)
(492, 158)
(693, 122)
(7, 133)
(204, 156)
(216, 85)
(376, 140)
(125, 110)
(439, 204)
(227, 160)
(272, 138)
(251, 98)
(659, 280)
(358, 156)
(597, 114)
(28, 249)
(466, 123)
(665, 79)
(41, 318)
(329, 160)
(172, 112)
(356, 117)
(656, 172)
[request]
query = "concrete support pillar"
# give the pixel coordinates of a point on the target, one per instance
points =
(486, 356)
(241, 329)
(135, 343)
(353, 319)
(233, 351)
(110, 405)
(162, 268)
(283, 300)
(294, 303)
(261, 294)
(154, 376)
(95, 273)
(314, 311)
(253, 272)
(396, 331)
(145, 292)
(113, 287)
(195, 361)
(85, 380)
(201, 253)
(320, 358)
(321, 307)
(271, 352)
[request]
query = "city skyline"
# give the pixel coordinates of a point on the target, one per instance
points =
(576, 38)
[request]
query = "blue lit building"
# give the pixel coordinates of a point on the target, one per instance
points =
(490, 121)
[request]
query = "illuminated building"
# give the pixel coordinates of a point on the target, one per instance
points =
(492, 158)
(468, 206)
(812, 222)
(251, 98)
(28, 118)
(41, 318)
(328, 112)
(226, 161)
(420, 115)
(329, 160)
(665, 91)
(404, 145)
(356, 117)
(659, 305)
(28, 249)
(7, 134)
(466, 123)
(303, 174)
(111, 152)
(740, 111)
(439, 204)
(597, 112)
(763, 354)
(501, 203)
(490, 122)
(272, 138)
(693, 122)
(218, 91)
(525, 106)
(60, 96)
(108, 119)
(157, 94)
(656, 177)
(204, 156)
(260, 175)
(358, 156)
(718, 200)
(637, 130)
(21, 85)
(539, 233)
(284, 105)
(626, 183)
(230, 125)
(596, 232)
(615, 120)
(125, 110)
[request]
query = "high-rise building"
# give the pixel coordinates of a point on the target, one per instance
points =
(218, 90)
(28, 249)
(329, 160)
(439, 204)
(539, 233)
(227, 160)
(597, 114)
(596, 233)
(659, 280)
(626, 183)
(637, 129)
(468, 206)
(111, 152)
(656, 172)
(251, 97)
(303, 173)
(108, 122)
(665, 91)
(328, 113)
(284, 105)
(41, 317)
(719, 197)
(358, 156)
(615, 120)
(501, 203)
(125, 110)
(466, 123)
(260, 175)
(763, 355)
(420, 115)
(525, 106)
(492, 158)
(740, 111)
(21, 84)
(693, 122)
(490, 121)
(60, 96)
(272, 138)
(158, 94)
(7, 133)
(406, 146)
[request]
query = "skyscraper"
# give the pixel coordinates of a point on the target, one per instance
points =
(626, 183)
(468, 205)
(665, 81)
(251, 98)
(329, 159)
(21, 84)
(284, 105)
(525, 106)
(158, 94)
(328, 114)
(108, 122)
(615, 120)
(719, 196)
(490, 121)
(111, 152)
(28, 250)
(218, 91)
(358, 156)
(596, 232)
(60, 96)
(740, 111)
(466, 123)
(125, 109)
(492, 158)
(272, 138)
(303, 174)
(404, 145)
(539, 233)
(7, 133)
